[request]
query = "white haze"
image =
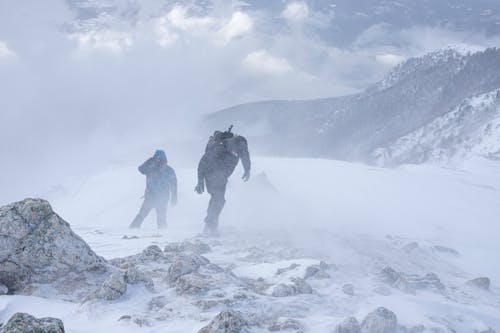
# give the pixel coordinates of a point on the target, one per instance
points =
(78, 95)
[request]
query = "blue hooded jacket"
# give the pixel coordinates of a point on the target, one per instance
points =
(161, 181)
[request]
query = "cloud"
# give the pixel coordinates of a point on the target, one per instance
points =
(389, 59)
(239, 24)
(296, 11)
(5, 51)
(103, 40)
(262, 62)
(179, 18)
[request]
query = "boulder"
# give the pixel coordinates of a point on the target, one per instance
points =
(316, 272)
(37, 247)
(187, 246)
(410, 283)
(288, 324)
(25, 323)
(480, 282)
(185, 264)
(228, 321)
(298, 286)
(112, 288)
(349, 325)
(151, 254)
(291, 267)
(134, 275)
(381, 320)
(191, 284)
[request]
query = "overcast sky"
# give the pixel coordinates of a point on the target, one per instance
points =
(83, 82)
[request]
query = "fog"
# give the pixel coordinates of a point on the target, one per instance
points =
(82, 91)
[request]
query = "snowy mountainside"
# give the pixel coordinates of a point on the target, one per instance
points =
(311, 229)
(352, 127)
(473, 128)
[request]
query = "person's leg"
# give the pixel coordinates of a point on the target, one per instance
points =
(216, 187)
(143, 212)
(161, 213)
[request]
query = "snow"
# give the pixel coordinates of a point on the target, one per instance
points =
(353, 216)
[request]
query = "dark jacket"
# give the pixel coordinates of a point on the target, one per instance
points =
(222, 156)
(161, 181)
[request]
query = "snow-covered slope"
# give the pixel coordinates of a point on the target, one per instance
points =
(414, 94)
(473, 128)
(293, 214)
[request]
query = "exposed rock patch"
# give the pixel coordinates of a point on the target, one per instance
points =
(381, 320)
(25, 323)
(349, 325)
(480, 282)
(228, 321)
(37, 247)
(298, 286)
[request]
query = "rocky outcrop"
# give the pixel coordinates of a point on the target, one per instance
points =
(112, 288)
(349, 325)
(381, 320)
(411, 283)
(37, 247)
(151, 254)
(228, 321)
(287, 324)
(480, 282)
(187, 246)
(317, 271)
(25, 323)
(185, 264)
(298, 286)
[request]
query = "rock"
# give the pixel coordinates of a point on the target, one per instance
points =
(349, 325)
(299, 286)
(3, 289)
(316, 272)
(411, 283)
(287, 269)
(37, 248)
(410, 247)
(197, 246)
(157, 303)
(348, 289)
(191, 284)
(151, 254)
(138, 320)
(284, 325)
(112, 288)
(480, 282)
(228, 321)
(381, 320)
(25, 323)
(185, 264)
(488, 330)
(133, 275)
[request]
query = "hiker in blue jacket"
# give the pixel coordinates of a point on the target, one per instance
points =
(161, 187)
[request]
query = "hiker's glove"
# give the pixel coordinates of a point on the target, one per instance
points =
(246, 176)
(200, 188)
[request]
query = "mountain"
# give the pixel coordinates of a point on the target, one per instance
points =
(355, 127)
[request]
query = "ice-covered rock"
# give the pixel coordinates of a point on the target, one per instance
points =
(287, 324)
(348, 289)
(185, 264)
(37, 248)
(191, 284)
(316, 272)
(151, 254)
(112, 288)
(298, 286)
(134, 275)
(349, 325)
(140, 321)
(25, 323)
(228, 321)
(197, 246)
(291, 267)
(381, 320)
(410, 283)
(480, 282)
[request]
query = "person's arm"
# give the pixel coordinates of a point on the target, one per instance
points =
(146, 167)
(202, 169)
(245, 157)
(173, 186)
